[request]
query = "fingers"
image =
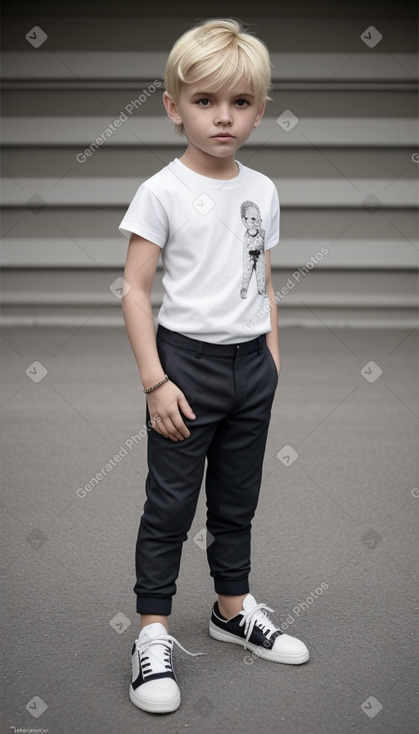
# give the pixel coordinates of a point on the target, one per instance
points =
(173, 427)
(186, 408)
(164, 405)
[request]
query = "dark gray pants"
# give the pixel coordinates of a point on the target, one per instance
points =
(230, 388)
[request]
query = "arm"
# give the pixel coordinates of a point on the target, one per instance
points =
(165, 402)
(272, 336)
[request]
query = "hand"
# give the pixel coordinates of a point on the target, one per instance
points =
(163, 405)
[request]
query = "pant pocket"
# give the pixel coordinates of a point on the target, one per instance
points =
(164, 351)
(273, 366)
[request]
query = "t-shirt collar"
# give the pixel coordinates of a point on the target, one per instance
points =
(195, 177)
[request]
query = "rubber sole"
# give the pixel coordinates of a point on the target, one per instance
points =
(217, 634)
(151, 707)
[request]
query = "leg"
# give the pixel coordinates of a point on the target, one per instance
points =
(172, 488)
(152, 619)
(261, 274)
(230, 606)
(235, 460)
(174, 479)
(247, 272)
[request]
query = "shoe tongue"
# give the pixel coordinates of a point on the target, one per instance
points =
(156, 628)
(249, 602)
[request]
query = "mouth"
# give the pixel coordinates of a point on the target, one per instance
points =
(223, 136)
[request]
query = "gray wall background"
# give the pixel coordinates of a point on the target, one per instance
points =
(346, 173)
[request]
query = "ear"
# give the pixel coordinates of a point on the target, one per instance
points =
(171, 109)
(260, 114)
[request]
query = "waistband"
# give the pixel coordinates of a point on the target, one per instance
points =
(212, 350)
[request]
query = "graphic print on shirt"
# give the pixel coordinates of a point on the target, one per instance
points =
(253, 248)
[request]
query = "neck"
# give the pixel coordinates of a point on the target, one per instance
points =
(208, 165)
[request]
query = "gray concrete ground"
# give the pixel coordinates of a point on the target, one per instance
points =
(333, 542)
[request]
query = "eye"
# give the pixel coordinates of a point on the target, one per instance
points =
(203, 102)
(242, 102)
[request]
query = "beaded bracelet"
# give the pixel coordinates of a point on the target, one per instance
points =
(154, 387)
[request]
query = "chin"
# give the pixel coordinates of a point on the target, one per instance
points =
(223, 153)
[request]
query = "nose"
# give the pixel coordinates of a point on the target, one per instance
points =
(223, 115)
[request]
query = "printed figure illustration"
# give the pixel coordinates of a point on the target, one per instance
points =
(253, 248)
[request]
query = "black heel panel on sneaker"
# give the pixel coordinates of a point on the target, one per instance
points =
(216, 610)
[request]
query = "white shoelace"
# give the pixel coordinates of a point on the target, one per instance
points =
(259, 618)
(147, 642)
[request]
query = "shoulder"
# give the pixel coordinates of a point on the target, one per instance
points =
(156, 191)
(160, 181)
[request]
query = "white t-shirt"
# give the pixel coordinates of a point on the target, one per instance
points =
(213, 234)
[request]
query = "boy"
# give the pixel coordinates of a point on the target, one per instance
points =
(210, 372)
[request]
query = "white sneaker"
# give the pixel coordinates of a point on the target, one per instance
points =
(253, 630)
(154, 685)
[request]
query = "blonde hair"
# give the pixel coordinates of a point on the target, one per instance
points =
(223, 49)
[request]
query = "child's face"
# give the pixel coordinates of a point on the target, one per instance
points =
(206, 114)
(251, 219)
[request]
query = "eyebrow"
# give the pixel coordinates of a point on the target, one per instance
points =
(210, 94)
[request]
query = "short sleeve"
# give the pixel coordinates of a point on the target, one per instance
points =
(146, 217)
(272, 234)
